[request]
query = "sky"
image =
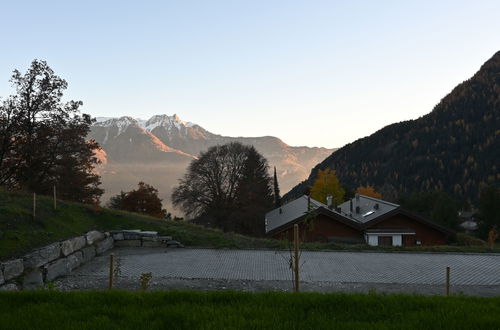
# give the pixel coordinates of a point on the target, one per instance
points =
(314, 73)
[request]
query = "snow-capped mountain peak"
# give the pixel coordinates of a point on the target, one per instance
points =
(120, 124)
(166, 121)
(101, 119)
(150, 124)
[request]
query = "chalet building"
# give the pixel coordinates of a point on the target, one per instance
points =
(360, 220)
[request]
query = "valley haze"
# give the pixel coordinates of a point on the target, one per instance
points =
(158, 151)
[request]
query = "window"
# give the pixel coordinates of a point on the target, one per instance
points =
(385, 240)
(321, 238)
(368, 213)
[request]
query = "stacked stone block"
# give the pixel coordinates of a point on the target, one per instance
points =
(137, 238)
(49, 262)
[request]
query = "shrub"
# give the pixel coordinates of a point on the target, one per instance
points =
(466, 240)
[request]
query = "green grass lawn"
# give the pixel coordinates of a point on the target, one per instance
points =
(239, 310)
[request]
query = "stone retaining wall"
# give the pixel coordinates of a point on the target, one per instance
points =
(49, 262)
(43, 265)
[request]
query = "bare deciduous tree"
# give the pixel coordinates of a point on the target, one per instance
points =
(228, 187)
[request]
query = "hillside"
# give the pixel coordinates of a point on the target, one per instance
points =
(158, 151)
(20, 233)
(455, 148)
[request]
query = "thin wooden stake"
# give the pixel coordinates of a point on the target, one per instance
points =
(111, 269)
(296, 257)
(34, 205)
(447, 281)
(55, 199)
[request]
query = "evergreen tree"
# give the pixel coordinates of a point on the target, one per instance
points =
(277, 197)
(445, 211)
(116, 201)
(254, 195)
(437, 206)
(489, 210)
(73, 170)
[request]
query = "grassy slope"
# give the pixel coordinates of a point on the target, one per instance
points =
(239, 310)
(20, 233)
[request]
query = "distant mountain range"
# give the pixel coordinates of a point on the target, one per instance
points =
(454, 148)
(158, 151)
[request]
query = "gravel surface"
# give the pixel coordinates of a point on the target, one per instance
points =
(264, 270)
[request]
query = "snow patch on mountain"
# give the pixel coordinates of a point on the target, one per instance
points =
(121, 124)
(141, 122)
(106, 137)
(166, 121)
(101, 119)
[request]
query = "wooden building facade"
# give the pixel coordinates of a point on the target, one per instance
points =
(358, 221)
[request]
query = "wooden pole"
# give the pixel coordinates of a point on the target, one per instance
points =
(296, 257)
(55, 199)
(111, 269)
(447, 281)
(34, 205)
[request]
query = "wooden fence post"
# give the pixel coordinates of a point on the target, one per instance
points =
(296, 257)
(111, 269)
(447, 281)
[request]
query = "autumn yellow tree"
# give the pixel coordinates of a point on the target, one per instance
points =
(368, 191)
(326, 184)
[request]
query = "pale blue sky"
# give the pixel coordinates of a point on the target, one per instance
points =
(316, 73)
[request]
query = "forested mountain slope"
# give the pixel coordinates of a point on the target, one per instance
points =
(454, 148)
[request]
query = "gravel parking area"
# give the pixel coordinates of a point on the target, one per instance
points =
(262, 270)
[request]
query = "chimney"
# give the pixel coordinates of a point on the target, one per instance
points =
(357, 209)
(329, 199)
(376, 206)
(281, 211)
(357, 198)
(350, 206)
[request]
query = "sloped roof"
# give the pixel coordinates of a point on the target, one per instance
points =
(290, 212)
(371, 211)
(413, 216)
(369, 208)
